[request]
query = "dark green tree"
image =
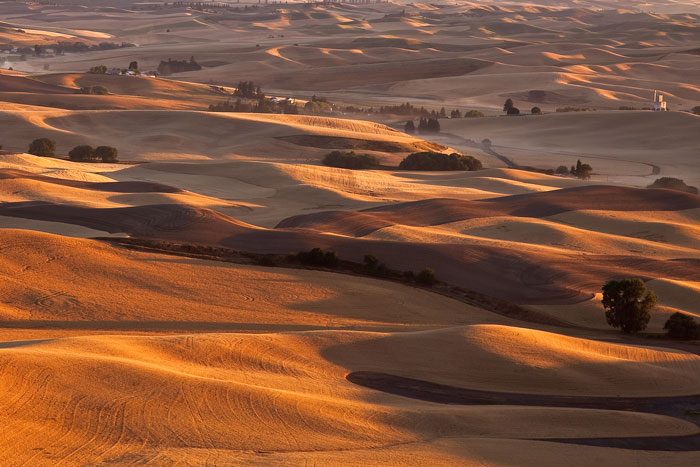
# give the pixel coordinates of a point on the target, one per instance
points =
(98, 70)
(582, 171)
(682, 326)
(42, 147)
(508, 105)
(628, 304)
(82, 153)
(106, 154)
(426, 277)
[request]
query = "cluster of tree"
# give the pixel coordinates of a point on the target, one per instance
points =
(406, 109)
(469, 114)
(258, 106)
(318, 105)
(509, 108)
(318, 257)
(671, 183)
(248, 90)
(438, 161)
(98, 70)
(350, 160)
(373, 267)
(178, 66)
(628, 305)
(426, 277)
(95, 90)
(63, 47)
(425, 125)
(86, 153)
(46, 147)
(582, 171)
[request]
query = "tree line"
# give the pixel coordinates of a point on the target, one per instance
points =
(45, 147)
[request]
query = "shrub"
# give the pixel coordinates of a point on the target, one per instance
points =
(374, 267)
(696, 110)
(513, 111)
(536, 111)
(682, 326)
(439, 161)
(426, 277)
(82, 153)
(95, 90)
(42, 147)
(318, 257)
(474, 114)
(627, 307)
(573, 109)
(561, 170)
(266, 260)
(671, 183)
(350, 160)
(371, 261)
(456, 114)
(106, 153)
(98, 70)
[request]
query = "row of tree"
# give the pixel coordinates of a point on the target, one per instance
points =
(510, 109)
(425, 125)
(46, 147)
(258, 106)
(178, 66)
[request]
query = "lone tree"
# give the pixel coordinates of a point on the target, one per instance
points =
(409, 127)
(536, 111)
(627, 307)
(42, 147)
(106, 153)
(682, 326)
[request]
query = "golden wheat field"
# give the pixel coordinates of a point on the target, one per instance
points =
(167, 303)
